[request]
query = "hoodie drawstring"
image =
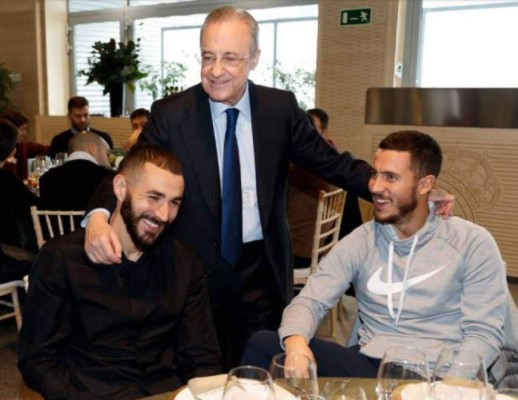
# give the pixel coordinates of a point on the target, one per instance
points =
(389, 279)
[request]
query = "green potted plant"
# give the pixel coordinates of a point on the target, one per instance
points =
(6, 85)
(114, 66)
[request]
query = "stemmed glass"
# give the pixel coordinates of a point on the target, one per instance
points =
(399, 367)
(38, 168)
(295, 373)
(248, 383)
(459, 374)
(343, 389)
(60, 158)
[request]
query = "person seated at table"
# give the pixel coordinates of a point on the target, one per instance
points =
(79, 119)
(420, 280)
(134, 329)
(138, 119)
(16, 228)
(70, 186)
(25, 149)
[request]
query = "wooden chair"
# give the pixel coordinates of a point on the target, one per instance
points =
(56, 223)
(11, 288)
(327, 228)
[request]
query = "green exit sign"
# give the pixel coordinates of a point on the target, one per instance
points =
(357, 16)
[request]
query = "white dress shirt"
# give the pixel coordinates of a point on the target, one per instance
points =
(245, 142)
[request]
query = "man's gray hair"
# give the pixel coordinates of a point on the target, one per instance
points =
(228, 13)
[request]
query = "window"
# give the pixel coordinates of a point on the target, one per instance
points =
(465, 43)
(169, 36)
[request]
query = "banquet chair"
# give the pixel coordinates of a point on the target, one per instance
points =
(327, 228)
(11, 288)
(51, 223)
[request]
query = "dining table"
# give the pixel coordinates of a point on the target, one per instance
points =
(368, 384)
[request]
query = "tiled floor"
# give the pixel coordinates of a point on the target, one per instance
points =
(11, 383)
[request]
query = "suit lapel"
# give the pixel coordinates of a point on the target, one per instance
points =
(265, 168)
(198, 137)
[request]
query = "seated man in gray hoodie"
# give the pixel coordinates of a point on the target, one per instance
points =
(420, 280)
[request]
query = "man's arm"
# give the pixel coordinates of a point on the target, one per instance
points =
(46, 326)
(195, 339)
(484, 297)
(102, 245)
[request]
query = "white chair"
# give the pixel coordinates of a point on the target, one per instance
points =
(10, 288)
(327, 228)
(56, 223)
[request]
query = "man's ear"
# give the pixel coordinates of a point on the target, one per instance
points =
(119, 187)
(426, 184)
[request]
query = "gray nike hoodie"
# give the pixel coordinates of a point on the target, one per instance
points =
(455, 290)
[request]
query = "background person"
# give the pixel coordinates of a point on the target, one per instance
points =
(138, 120)
(17, 237)
(420, 280)
(79, 119)
(132, 330)
(71, 185)
(25, 149)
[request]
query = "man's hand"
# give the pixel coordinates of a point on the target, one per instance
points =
(102, 245)
(297, 344)
(443, 201)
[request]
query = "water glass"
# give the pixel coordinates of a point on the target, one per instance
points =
(248, 383)
(459, 374)
(295, 373)
(399, 367)
(343, 389)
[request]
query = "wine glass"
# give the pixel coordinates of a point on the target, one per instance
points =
(295, 373)
(248, 383)
(459, 374)
(399, 367)
(343, 389)
(60, 158)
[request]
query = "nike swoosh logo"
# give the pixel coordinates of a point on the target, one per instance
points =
(377, 286)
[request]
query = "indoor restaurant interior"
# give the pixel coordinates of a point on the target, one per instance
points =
(448, 68)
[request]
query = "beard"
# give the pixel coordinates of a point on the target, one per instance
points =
(145, 241)
(404, 210)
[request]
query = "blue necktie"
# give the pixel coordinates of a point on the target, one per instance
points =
(232, 208)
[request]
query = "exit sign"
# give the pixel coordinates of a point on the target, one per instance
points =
(358, 16)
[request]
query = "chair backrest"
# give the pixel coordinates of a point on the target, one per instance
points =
(55, 223)
(327, 226)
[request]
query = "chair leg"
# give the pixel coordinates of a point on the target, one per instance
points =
(332, 322)
(17, 310)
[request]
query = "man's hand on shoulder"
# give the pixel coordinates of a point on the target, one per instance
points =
(102, 245)
(443, 201)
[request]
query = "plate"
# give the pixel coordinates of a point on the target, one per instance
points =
(217, 394)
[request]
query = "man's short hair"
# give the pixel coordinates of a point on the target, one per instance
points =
(140, 155)
(228, 13)
(15, 117)
(320, 114)
(425, 152)
(77, 102)
(140, 112)
(8, 138)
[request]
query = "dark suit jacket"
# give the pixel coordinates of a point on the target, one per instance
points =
(60, 141)
(71, 185)
(282, 133)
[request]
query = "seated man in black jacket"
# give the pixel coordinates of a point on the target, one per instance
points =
(70, 186)
(137, 328)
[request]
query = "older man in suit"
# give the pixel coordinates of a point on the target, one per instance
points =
(71, 185)
(242, 239)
